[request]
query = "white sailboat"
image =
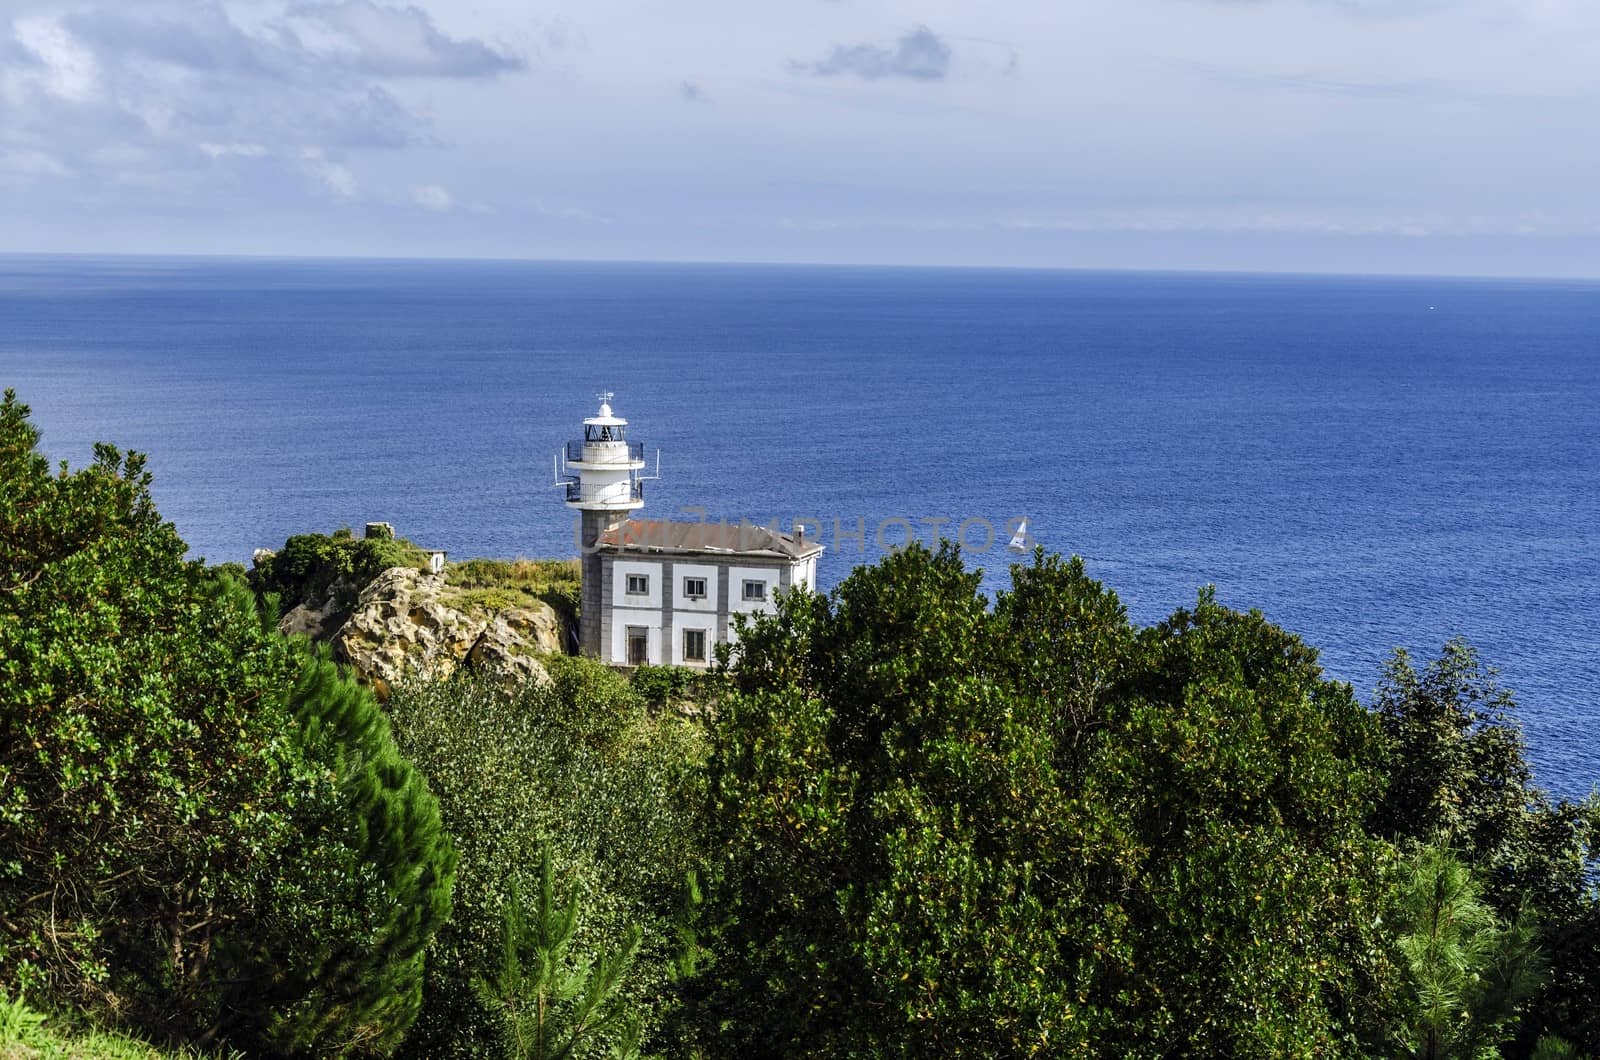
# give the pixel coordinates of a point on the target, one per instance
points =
(1019, 540)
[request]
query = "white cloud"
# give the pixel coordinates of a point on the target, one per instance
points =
(919, 55)
(433, 197)
(150, 94)
(69, 69)
(330, 176)
(240, 150)
(32, 163)
(390, 41)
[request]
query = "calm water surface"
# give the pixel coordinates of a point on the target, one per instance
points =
(1371, 462)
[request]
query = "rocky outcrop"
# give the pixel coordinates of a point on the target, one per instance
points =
(322, 618)
(509, 636)
(410, 623)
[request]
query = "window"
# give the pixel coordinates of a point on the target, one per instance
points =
(694, 645)
(694, 588)
(638, 645)
(755, 590)
(638, 584)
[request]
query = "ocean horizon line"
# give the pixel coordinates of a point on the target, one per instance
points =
(734, 263)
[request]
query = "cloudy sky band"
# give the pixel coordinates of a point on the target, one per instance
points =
(1244, 133)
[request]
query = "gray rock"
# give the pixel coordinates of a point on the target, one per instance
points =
(404, 625)
(320, 619)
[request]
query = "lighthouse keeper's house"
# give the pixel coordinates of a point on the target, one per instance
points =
(657, 591)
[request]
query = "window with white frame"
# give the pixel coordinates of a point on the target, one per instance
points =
(694, 645)
(755, 589)
(694, 588)
(638, 584)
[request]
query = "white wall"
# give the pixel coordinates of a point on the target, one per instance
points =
(680, 571)
(737, 576)
(645, 609)
(620, 569)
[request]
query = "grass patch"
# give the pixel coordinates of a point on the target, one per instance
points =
(26, 1034)
(496, 584)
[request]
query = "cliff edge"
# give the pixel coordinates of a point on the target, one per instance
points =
(388, 619)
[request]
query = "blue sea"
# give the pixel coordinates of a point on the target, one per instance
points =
(1372, 462)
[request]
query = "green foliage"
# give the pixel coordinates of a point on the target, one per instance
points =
(946, 831)
(197, 817)
(382, 884)
(1551, 1047)
(1245, 778)
(236, 571)
(552, 1004)
(662, 686)
(691, 955)
(499, 583)
(582, 767)
(26, 1034)
(1468, 972)
(1459, 777)
(307, 565)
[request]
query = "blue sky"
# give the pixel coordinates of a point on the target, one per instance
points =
(1449, 136)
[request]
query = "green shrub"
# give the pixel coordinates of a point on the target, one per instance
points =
(307, 564)
(942, 829)
(205, 829)
(26, 1034)
(661, 686)
(580, 765)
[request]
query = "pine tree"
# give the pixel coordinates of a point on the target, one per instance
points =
(551, 1005)
(360, 985)
(1469, 971)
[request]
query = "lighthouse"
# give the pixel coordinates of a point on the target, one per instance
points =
(662, 592)
(601, 473)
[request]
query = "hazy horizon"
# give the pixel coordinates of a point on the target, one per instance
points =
(468, 259)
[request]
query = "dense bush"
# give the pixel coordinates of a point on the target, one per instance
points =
(205, 830)
(679, 686)
(1459, 777)
(934, 836)
(582, 766)
(939, 828)
(308, 565)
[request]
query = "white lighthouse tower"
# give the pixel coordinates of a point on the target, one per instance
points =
(603, 480)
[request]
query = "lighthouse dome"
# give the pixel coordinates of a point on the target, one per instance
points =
(605, 417)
